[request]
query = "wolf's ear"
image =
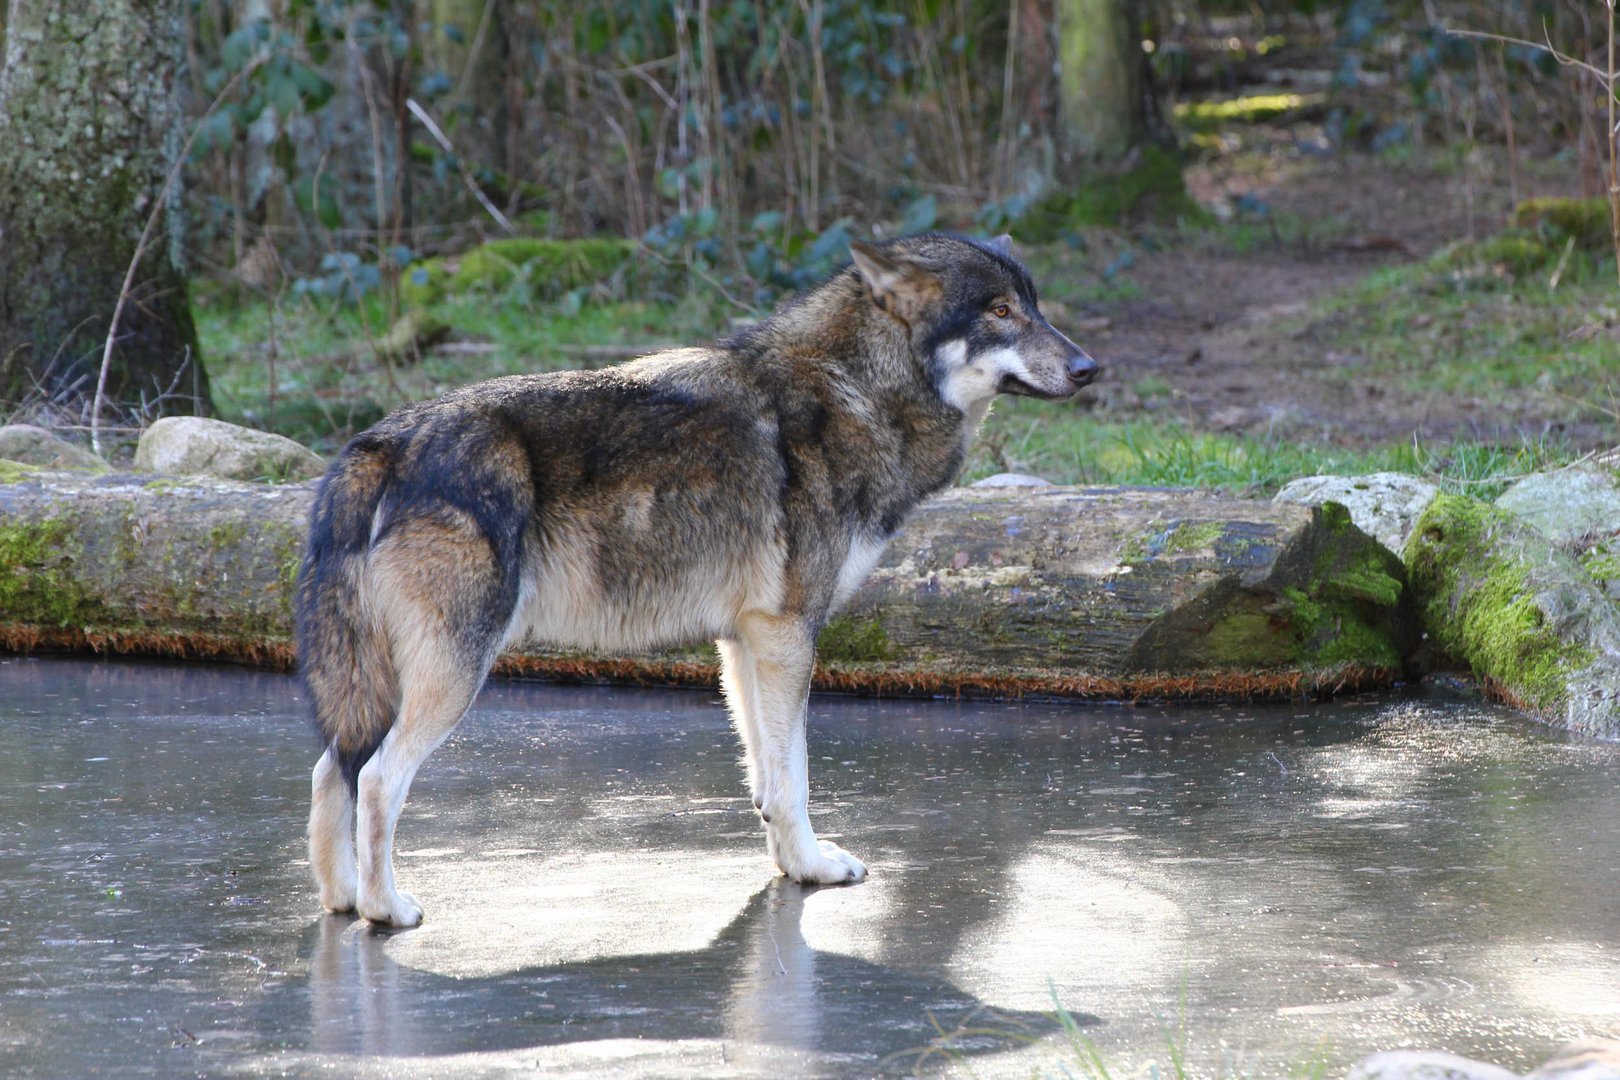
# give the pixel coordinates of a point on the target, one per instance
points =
(1002, 245)
(898, 285)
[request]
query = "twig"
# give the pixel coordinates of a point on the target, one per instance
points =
(158, 206)
(1563, 261)
(1563, 58)
(466, 174)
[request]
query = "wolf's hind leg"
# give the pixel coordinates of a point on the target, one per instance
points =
(432, 703)
(331, 835)
(775, 657)
(446, 601)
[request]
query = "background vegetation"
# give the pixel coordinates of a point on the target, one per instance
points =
(382, 198)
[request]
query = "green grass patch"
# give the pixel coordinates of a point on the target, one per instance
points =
(1068, 446)
(1485, 319)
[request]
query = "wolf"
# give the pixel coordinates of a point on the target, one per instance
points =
(738, 492)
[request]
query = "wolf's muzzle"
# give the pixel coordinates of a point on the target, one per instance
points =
(1081, 369)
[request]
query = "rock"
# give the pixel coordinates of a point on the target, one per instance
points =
(1424, 1065)
(1568, 506)
(35, 446)
(1076, 592)
(1495, 593)
(1011, 480)
(1590, 1059)
(1383, 505)
(194, 445)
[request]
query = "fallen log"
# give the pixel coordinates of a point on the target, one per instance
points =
(1115, 593)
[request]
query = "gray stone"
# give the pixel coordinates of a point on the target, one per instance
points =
(1011, 480)
(1589, 1059)
(194, 445)
(1425, 1065)
(35, 446)
(1569, 505)
(1383, 505)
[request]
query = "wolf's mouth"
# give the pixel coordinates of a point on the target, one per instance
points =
(1012, 384)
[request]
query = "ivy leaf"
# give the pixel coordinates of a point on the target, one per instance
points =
(320, 202)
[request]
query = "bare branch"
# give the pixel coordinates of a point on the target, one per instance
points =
(1563, 58)
(466, 175)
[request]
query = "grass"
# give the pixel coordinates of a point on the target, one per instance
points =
(1067, 446)
(1465, 322)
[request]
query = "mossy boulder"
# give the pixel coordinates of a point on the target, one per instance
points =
(1383, 505)
(1586, 220)
(543, 268)
(195, 445)
(1517, 252)
(1498, 596)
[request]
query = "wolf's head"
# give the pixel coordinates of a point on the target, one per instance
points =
(970, 311)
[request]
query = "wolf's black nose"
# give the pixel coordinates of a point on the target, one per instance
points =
(1082, 369)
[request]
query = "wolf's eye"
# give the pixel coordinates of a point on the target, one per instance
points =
(1001, 311)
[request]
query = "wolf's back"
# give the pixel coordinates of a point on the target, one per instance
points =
(343, 652)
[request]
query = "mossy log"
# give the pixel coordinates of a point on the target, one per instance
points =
(1496, 594)
(1115, 593)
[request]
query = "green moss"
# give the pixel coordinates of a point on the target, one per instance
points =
(227, 533)
(424, 283)
(854, 637)
(547, 268)
(1348, 611)
(1516, 252)
(1193, 537)
(1179, 538)
(1602, 563)
(1242, 638)
(1587, 220)
(1476, 602)
(15, 472)
(1152, 188)
(35, 585)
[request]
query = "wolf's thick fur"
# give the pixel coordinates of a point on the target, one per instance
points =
(738, 492)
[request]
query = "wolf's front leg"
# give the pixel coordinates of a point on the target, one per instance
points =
(767, 681)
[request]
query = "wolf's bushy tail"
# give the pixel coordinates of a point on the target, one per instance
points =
(343, 651)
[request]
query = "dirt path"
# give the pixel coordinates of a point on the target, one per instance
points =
(1224, 340)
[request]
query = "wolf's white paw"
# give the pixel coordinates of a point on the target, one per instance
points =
(830, 865)
(399, 911)
(337, 899)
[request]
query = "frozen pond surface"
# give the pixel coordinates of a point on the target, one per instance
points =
(1258, 887)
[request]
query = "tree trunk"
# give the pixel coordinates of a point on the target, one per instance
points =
(1102, 86)
(90, 120)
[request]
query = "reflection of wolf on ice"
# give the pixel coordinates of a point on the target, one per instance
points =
(737, 492)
